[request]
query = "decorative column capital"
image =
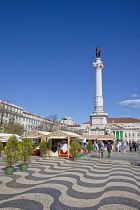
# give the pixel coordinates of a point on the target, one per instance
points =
(98, 65)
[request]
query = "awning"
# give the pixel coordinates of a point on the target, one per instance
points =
(3, 140)
(57, 137)
(82, 140)
(106, 139)
(6, 139)
(33, 137)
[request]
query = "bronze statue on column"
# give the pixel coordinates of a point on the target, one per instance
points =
(98, 52)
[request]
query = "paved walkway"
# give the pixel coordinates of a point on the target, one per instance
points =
(88, 183)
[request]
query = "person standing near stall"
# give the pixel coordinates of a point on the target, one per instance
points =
(109, 148)
(101, 148)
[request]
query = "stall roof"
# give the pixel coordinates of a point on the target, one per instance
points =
(99, 137)
(34, 137)
(57, 137)
(62, 134)
(37, 134)
(106, 137)
(8, 135)
(5, 136)
(51, 135)
(71, 134)
(44, 132)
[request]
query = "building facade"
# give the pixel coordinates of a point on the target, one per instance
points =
(126, 129)
(66, 121)
(11, 113)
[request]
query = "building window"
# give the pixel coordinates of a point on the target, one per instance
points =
(126, 135)
(138, 134)
(129, 135)
(133, 134)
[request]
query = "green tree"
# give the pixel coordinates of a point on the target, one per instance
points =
(14, 129)
(12, 151)
(89, 145)
(75, 147)
(1, 147)
(26, 150)
(43, 147)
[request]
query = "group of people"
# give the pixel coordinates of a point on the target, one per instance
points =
(133, 146)
(100, 148)
(121, 146)
(118, 146)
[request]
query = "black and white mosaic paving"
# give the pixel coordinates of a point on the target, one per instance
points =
(88, 183)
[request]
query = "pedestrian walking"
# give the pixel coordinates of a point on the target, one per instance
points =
(124, 147)
(130, 146)
(135, 146)
(101, 148)
(109, 148)
(95, 145)
(118, 145)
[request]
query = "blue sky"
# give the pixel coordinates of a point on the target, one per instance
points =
(47, 49)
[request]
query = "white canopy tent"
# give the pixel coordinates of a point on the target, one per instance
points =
(5, 136)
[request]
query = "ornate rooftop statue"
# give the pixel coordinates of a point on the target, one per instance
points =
(98, 52)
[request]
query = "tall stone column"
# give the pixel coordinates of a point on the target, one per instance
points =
(98, 119)
(98, 65)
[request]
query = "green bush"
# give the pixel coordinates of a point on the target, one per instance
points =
(75, 147)
(1, 147)
(26, 150)
(89, 145)
(12, 151)
(43, 146)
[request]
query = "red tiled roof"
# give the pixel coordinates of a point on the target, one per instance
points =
(76, 125)
(123, 120)
(86, 122)
(120, 120)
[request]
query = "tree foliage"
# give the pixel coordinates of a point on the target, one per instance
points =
(43, 147)
(1, 147)
(26, 150)
(89, 145)
(74, 147)
(12, 151)
(14, 129)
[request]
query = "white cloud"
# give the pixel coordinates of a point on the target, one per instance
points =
(132, 103)
(127, 110)
(134, 95)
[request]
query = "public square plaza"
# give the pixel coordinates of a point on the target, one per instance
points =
(89, 182)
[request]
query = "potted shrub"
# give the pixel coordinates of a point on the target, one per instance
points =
(43, 146)
(26, 151)
(12, 154)
(74, 148)
(1, 147)
(89, 146)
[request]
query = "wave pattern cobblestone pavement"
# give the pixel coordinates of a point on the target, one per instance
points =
(88, 183)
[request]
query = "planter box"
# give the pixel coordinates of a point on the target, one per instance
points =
(9, 170)
(43, 155)
(23, 167)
